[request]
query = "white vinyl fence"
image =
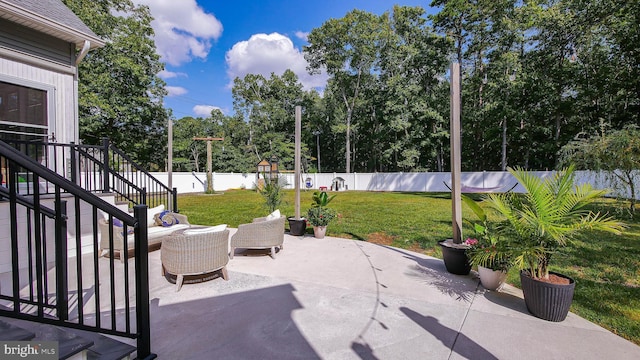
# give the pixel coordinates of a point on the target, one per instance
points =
(496, 181)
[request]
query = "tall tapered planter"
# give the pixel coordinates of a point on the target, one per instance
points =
(455, 257)
(546, 300)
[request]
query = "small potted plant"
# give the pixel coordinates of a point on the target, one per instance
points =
(486, 251)
(537, 225)
(272, 193)
(319, 215)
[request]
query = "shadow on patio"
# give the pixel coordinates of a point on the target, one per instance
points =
(255, 324)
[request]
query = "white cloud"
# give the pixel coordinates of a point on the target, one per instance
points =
(175, 90)
(183, 30)
(204, 110)
(264, 54)
(302, 35)
(165, 74)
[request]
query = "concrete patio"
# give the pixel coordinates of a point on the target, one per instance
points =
(343, 299)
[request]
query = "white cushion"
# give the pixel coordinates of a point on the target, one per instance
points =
(154, 231)
(157, 233)
(151, 212)
(206, 230)
(274, 215)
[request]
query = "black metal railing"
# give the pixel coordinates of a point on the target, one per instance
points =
(126, 171)
(96, 169)
(57, 275)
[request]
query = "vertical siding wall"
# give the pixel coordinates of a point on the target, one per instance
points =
(64, 107)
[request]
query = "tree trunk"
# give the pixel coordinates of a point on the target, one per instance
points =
(504, 144)
(348, 146)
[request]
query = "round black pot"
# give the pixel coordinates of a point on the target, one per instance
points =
(297, 227)
(455, 259)
(547, 301)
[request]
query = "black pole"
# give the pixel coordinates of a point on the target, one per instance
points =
(175, 199)
(141, 248)
(74, 165)
(62, 281)
(105, 165)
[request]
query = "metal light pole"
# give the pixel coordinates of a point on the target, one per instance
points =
(317, 134)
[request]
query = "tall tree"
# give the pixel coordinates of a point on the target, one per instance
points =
(615, 154)
(412, 59)
(120, 94)
(348, 49)
(267, 105)
(188, 154)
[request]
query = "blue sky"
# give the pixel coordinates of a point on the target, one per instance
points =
(206, 43)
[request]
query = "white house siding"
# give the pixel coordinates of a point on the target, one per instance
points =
(62, 111)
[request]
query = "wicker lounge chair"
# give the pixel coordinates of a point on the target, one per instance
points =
(189, 252)
(260, 234)
(156, 233)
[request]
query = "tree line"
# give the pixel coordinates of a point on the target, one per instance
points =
(535, 75)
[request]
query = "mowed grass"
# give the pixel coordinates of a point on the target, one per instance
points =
(606, 267)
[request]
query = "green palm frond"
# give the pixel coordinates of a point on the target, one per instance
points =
(549, 215)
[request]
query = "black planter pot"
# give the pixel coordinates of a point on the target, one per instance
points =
(297, 227)
(547, 301)
(455, 259)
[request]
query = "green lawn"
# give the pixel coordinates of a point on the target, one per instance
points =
(606, 267)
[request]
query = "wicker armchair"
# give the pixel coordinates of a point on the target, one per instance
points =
(195, 254)
(260, 234)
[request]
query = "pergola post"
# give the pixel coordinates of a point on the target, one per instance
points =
(456, 200)
(170, 160)
(298, 136)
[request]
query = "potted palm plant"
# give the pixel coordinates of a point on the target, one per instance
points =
(272, 193)
(319, 215)
(552, 213)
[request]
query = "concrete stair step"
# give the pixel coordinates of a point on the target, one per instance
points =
(106, 348)
(11, 332)
(124, 206)
(70, 345)
(73, 343)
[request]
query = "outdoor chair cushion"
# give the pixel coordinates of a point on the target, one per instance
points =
(206, 230)
(166, 218)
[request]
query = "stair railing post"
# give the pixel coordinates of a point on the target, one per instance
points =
(62, 281)
(74, 165)
(174, 194)
(13, 216)
(141, 248)
(105, 165)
